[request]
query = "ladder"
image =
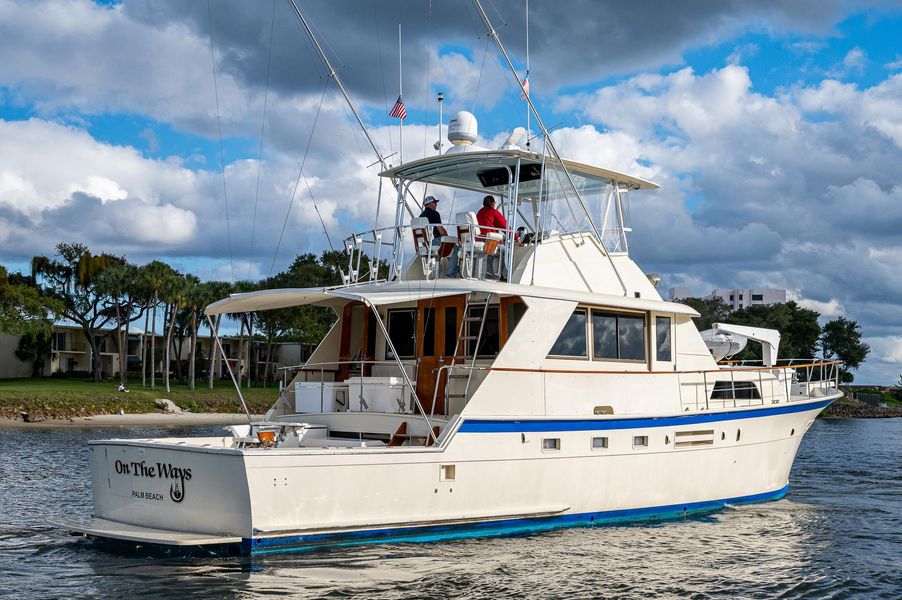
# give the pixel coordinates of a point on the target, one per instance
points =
(464, 337)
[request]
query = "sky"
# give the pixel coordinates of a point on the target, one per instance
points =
(179, 129)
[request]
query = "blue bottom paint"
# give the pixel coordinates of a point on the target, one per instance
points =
(300, 543)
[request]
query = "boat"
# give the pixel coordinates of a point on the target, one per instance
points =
(548, 386)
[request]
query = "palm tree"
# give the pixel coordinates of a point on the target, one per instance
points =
(218, 291)
(118, 282)
(152, 278)
(173, 293)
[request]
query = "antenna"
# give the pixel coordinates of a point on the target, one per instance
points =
(441, 98)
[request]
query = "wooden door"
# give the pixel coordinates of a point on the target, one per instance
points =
(438, 321)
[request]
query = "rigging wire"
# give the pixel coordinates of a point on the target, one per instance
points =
(426, 144)
(221, 152)
(272, 28)
(303, 161)
(316, 208)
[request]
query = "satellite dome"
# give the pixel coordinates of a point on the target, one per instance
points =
(462, 129)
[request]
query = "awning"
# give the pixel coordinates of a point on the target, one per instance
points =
(377, 294)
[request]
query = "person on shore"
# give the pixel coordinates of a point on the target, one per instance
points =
(122, 388)
(490, 218)
(430, 212)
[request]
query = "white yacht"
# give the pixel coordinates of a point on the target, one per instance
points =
(548, 386)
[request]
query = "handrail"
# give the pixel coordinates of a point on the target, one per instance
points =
(593, 372)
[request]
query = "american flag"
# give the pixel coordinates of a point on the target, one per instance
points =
(525, 91)
(398, 111)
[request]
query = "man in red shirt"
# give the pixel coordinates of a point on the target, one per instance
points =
(490, 217)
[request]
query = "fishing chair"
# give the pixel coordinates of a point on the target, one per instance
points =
(422, 243)
(474, 247)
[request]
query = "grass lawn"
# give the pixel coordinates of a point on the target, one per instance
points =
(62, 398)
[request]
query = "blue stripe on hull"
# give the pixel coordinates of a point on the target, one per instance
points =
(493, 528)
(600, 424)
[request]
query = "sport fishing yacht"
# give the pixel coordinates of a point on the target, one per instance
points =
(560, 390)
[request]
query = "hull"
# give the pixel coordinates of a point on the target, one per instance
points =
(489, 477)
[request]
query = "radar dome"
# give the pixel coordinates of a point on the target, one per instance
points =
(462, 129)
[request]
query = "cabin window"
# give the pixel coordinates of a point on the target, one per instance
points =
(515, 312)
(402, 332)
(744, 390)
(428, 332)
(572, 340)
(489, 341)
(618, 336)
(450, 330)
(551, 444)
(599, 443)
(662, 338)
(640, 441)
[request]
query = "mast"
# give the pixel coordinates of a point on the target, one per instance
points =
(334, 75)
(548, 141)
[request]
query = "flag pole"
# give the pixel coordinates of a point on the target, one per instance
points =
(400, 97)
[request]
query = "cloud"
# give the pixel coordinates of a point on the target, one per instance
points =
(853, 63)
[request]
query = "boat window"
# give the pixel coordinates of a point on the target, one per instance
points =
(599, 443)
(515, 312)
(551, 444)
(744, 390)
(572, 340)
(662, 338)
(450, 330)
(428, 332)
(618, 336)
(489, 341)
(640, 441)
(402, 331)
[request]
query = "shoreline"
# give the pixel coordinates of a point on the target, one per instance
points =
(115, 421)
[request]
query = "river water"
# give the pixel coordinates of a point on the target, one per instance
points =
(838, 534)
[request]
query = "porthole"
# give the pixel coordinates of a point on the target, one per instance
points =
(793, 432)
(723, 435)
(666, 440)
(738, 434)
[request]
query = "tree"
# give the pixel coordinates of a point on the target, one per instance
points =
(173, 293)
(24, 310)
(217, 290)
(152, 278)
(842, 339)
(712, 310)
(70, 279)
(35, 346)
(120, 285)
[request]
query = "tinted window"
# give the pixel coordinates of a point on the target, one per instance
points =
(662, 338)
(402, 331)
(428, 332)
(515, 312)
(572, 341)
(604, 332)
(489, 342)
(450, 330)
(631, 335)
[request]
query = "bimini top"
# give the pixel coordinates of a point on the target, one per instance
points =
(378, 294)
(490, 171)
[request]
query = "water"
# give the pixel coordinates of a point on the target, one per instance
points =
(838, 534)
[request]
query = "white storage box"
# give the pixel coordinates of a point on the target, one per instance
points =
(381, 394)
(320, 396)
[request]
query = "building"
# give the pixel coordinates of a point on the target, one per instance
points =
(743, 298)
(679, 292)
(71, 353)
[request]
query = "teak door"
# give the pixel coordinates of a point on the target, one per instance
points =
(438, 322)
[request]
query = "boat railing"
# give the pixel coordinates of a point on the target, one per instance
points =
(394, 246)
(698, 389)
